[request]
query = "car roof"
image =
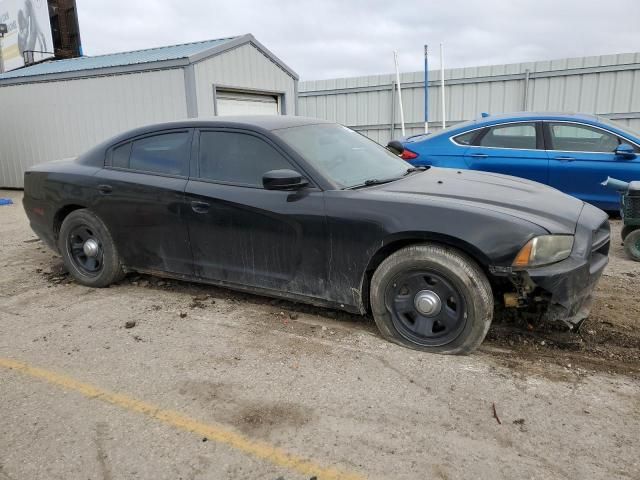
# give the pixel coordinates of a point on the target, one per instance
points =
(524, 116)
(492, 119)
(265, 122)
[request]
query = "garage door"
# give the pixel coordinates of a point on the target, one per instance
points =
(237, 103)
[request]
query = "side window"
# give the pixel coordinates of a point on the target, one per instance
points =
(166, 153)
(465, 138)
(237, 158)
(120, 156)
(573, 137)
(520, 135)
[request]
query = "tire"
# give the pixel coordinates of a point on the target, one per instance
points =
(410, 277)
(627, 229)
(101, 266)
(632, 245)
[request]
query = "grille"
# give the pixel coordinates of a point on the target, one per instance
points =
(631, 207)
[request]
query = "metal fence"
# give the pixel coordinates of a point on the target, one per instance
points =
(607, 85)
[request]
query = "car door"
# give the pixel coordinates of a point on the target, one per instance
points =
(582, 156)
(140, 198)
(244, 234)
(511, 148)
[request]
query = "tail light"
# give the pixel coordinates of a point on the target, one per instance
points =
(408, 155)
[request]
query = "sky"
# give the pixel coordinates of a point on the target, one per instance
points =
(343, 38)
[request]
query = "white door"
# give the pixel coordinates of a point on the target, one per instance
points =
(239, 103)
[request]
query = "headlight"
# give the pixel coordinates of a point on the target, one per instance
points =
(544, 250)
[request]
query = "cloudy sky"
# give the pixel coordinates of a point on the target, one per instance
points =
(340, 38)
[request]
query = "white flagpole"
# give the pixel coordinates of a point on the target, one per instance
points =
(444, 113)
(395, 58)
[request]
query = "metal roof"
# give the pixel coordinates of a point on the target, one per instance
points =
(170, 57)
(172, 52)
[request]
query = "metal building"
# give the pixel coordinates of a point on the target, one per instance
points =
(607, 85)
(56, 110)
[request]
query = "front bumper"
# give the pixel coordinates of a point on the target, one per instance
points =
(569, 284)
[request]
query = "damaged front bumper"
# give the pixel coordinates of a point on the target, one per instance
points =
(565, 288)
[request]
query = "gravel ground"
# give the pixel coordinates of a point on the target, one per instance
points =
(534, 402)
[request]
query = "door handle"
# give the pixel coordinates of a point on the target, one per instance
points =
(199, 207)
(564, 159)
(479, 155)
(105, 189)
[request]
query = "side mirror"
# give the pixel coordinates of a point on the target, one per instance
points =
(625, 151)
(395, 147)
(283, 180)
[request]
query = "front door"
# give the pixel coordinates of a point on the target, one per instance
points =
(245, 235)
(581, 157)
(141, 200)
(513, 149)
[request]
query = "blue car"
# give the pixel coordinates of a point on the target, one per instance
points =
(573, 153)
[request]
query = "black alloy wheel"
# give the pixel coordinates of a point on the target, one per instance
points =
(85, 249)
(426, 308)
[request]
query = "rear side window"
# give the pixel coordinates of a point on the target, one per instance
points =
(166, 153)
(465, 138)
(237, 158)
(521, 136)
(120, 156)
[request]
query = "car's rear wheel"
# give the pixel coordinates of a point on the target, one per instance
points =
(632, 245)
(88, 251)
(433, 298)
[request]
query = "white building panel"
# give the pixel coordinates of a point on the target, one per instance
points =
(54, 120)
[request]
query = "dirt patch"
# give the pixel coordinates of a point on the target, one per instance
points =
(260, 420)
(252, 417)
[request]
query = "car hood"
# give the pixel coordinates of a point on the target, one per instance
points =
(545, 206)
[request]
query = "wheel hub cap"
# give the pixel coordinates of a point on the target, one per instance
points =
(90, 248)
(428, 303)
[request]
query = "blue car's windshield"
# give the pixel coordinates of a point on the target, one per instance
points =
(343, 155)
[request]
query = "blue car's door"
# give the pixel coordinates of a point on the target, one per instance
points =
(510, 148)
(581, 157)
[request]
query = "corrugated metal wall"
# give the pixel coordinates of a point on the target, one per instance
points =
(60, 119)
(53, 120)
(607, 85)
(242, 67)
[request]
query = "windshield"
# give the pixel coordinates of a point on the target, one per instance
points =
(343, 155)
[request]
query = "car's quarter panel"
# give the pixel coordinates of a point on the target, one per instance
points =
(49, 188)
(269, 239)
(145, 215)
(439, 155)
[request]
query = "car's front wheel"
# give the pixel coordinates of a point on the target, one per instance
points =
(88, 251)
(433, 298)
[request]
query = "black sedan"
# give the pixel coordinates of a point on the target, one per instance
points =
(314, 212)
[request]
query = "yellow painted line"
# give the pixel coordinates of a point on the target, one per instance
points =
(216, 433)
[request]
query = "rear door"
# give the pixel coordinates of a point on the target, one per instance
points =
(243, 234)
(510, 148)
(582, 157)
(141, 200)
